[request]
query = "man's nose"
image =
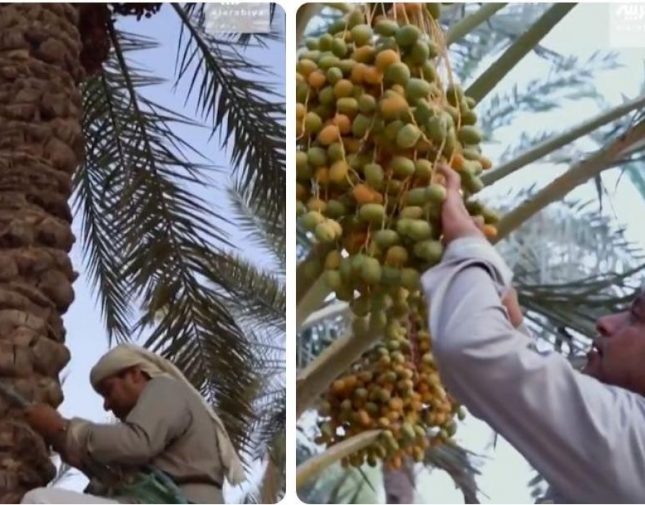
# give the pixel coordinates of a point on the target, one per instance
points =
(106, 405)
(610, 324)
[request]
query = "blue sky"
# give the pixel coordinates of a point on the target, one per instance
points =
(86, 337)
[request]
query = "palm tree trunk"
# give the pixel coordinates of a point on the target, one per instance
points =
(399, 484)
(40, 147)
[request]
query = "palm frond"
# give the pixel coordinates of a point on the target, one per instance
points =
(610, 155)
(265, 233)
(567, 312)
(460, 464)
(163, 233)
(335, 496)
(315, 465)
(257, 296)
(336, 484)
(239, 105)
(102, 249)
(520, 48)
(468, 23)
(498, 32)
(119, 142)
(523, 144)
(547, 92)
(637, 175)
(271, 424)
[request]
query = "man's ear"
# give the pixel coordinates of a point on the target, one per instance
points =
(141, 375)
(132, 373)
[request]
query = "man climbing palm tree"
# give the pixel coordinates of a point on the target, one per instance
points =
(165, 425)
(585, 433)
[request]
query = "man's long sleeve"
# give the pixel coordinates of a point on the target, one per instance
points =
(159, 416)
(586, 438)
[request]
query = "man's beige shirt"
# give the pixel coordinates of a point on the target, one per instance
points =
(586, 438)
(168, 428)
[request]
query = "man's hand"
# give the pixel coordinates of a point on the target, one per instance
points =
(457, 223)
(45, 420)
(51, 425)
(455, 220)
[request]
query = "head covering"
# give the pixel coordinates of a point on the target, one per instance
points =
(128, 355)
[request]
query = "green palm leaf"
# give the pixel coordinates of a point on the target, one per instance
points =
(262, 293)
(120, 142)
(162, 232)
(461, 464)
(520, 48)
(242, 108)
(261, 230)
(470, 22)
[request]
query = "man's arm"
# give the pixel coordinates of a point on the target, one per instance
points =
(160, 416)
(585, 438)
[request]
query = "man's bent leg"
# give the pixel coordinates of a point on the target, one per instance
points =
(54, 495)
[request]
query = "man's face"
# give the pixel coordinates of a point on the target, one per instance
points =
(618, 356)
(121, 392)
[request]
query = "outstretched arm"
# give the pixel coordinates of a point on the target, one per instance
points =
(160, 416)
(586, 438)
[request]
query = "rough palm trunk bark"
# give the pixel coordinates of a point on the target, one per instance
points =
(40, 147)
(399, 484)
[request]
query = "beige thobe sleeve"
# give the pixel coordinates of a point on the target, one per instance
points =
(586, 438)
(160, 416)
